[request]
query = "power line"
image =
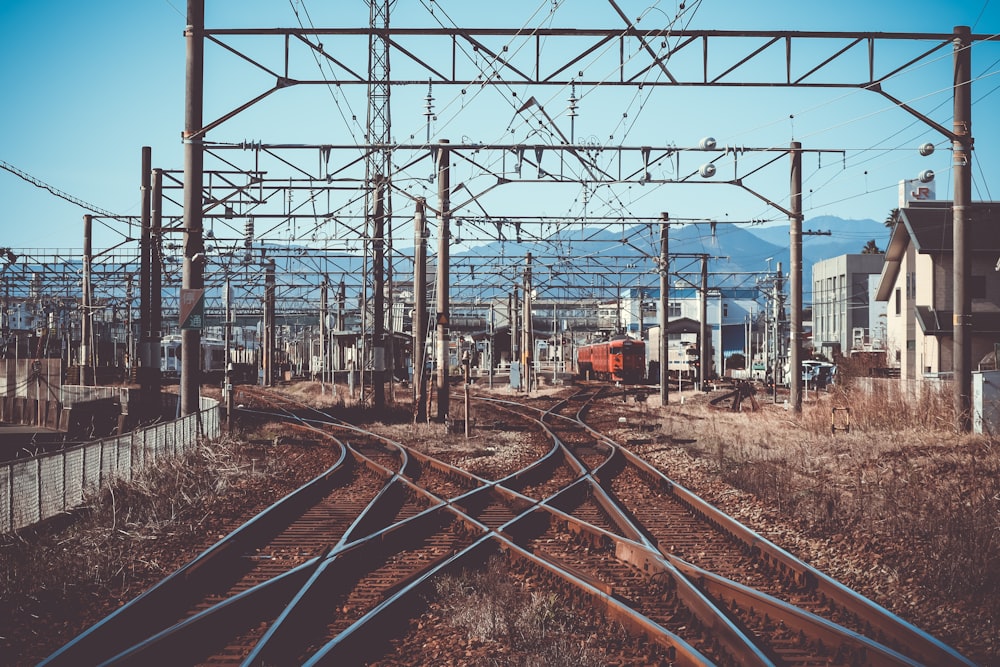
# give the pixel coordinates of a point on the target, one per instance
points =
(68, 197)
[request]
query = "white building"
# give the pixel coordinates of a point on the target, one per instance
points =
(845, 312)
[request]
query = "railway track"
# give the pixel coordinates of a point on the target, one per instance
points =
(323, 576)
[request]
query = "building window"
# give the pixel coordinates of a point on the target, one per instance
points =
(674, 309)
(899, 301)
(725, 310)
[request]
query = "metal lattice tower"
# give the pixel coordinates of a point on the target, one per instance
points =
(378, 169)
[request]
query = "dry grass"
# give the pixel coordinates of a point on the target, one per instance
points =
(321, 395)
(900, 473)
(918, 501)
(535, 628)
(128, 535)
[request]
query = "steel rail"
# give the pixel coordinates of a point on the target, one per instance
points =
(423, 499)
(923, 647)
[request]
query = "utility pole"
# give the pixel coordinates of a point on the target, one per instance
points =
(664, 305)
(444, 258)
(270, 333)
(227, 298)
(527, 343)
(795, 251)
(492, 331)
(87, 322)
(704, 333)
(779, 311)
(194, 167)
(378, 310)
(419, 320)
(146, 353)
(961, 264)
(324, 311)
(513, 315)
(156, 291)
(341, 326)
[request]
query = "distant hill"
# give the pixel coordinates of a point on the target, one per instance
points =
(732, 248)
(846, 237)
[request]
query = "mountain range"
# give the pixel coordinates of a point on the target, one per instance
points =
(731, 248)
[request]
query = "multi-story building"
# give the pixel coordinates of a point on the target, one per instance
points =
(846, 315)
(917, 281)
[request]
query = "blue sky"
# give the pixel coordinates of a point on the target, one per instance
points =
(88, 84)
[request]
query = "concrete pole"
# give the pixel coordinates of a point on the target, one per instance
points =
(378, 305)
(87, 321)
(227, 297)
(341, 326)
(664, 306)
(194, 159)
(513, 314)
(324, 359)
(493, 329)
(419, 320)
(444, 258)
(779, 312)
(155, 292)
(527, 329)
(147, 355)
(795, 281)
(704, 333)
(270, 333)
(962, 266)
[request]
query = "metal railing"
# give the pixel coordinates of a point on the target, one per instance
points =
(44, 486)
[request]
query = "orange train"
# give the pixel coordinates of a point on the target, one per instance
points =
(620, 359)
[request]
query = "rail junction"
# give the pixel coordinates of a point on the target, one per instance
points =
(336, 572)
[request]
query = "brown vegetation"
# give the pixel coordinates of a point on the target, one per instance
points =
(899, 508)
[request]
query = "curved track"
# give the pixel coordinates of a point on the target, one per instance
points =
(322, 576)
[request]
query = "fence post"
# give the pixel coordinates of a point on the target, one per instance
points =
(64, 480)
(38, 484)
(10, 498)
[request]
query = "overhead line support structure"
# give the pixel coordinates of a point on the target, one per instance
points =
(679, 63)
(194, 248)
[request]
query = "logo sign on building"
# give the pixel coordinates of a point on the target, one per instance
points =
(192, 310)
(912, 190)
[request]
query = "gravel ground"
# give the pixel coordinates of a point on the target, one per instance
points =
(50, 593)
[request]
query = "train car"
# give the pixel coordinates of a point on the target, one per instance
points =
(618, 359)
(212, 360)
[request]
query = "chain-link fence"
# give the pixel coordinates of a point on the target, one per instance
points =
(43, 486)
